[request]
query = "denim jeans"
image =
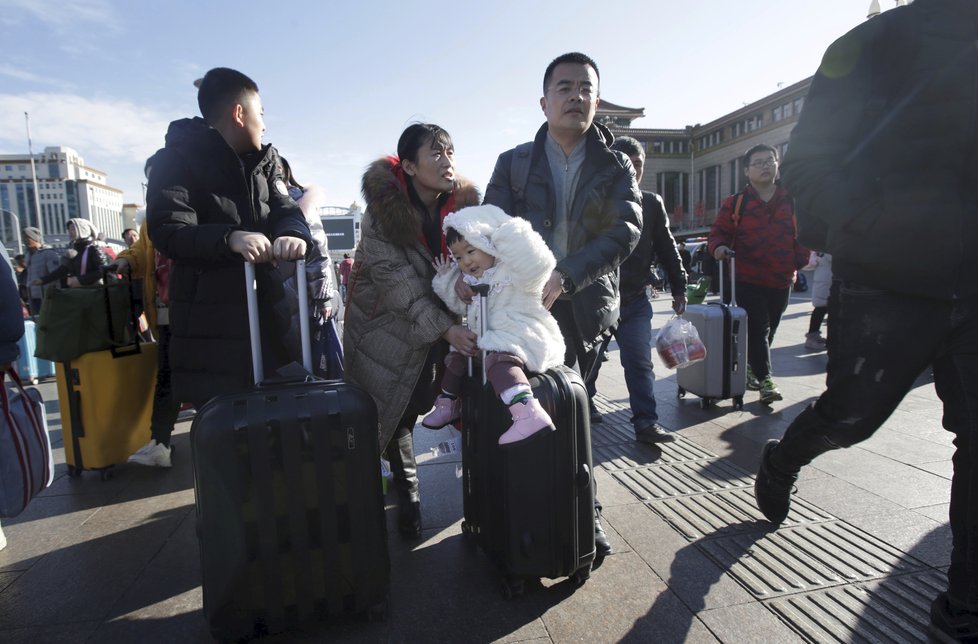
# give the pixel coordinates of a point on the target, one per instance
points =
(879, 343)
(634, 337)
(764, 307)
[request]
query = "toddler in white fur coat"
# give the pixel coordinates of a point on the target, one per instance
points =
(490, 247)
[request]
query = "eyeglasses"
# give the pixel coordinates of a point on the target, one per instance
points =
(767, 163)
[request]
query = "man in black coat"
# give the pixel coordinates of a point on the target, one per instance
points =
(634, 330)
(216, 199)
(883, 166)
(582, 198)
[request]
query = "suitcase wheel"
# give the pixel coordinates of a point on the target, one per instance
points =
(105, 474)
(512, 587)
(706, 403)
(739, 403)
(580, 577)
(680, 393)
(73, 471)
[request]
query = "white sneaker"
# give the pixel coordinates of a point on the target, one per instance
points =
(152, 454)
(3, 539)
(814, 341)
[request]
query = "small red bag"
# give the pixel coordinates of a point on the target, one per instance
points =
(679, 344)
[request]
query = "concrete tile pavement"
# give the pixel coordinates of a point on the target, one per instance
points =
(117, 560)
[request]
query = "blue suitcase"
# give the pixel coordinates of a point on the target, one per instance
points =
(28, 367)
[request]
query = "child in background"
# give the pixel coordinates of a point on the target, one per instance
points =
(490, 247)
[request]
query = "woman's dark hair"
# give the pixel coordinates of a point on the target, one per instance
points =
(412, 138)
(287, 175)
(452, 236)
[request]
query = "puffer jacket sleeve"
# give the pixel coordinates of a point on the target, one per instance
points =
(172, 219)
(11, 315)
(401, 290)
(499, 192)
(525, 254)
(664, 244)
(444, 286)
(620, 221)
(722, 230)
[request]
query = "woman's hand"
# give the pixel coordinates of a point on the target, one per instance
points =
(442, 264)
(552, 290)
(288, 248)
(73, 282)
(462, 339)
(254, 247)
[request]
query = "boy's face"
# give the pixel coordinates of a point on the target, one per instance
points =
(252, 122)
(572, 98)
(470, 259)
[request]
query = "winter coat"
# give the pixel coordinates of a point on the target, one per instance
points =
(393, 316)
(884, 157)
(199, 192)
(11, 312)
(516, 320)
(605, 222)
(656, 243)
(40, 263)
(821, 278)
(85, 259)
(142, 262)
(764, 240)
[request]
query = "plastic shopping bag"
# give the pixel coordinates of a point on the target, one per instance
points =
(679, 344)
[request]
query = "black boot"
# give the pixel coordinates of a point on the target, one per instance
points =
(404, 468)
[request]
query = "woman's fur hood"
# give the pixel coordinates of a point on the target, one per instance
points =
(391, 207)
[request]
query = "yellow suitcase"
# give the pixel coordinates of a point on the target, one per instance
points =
(106, 406)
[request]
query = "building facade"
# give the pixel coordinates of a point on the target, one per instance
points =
(696, 167)
(67, 188)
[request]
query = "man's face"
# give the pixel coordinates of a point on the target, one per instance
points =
(762, 169)
(252, 116)
(639, 165)
(130, 237)
(572, 98)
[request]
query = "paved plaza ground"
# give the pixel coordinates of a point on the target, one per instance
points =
(859, 558)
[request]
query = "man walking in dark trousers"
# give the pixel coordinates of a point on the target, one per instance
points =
(883, 165)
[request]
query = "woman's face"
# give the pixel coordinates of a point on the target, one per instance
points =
(434, 170)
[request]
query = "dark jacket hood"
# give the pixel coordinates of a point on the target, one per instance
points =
(391, 207)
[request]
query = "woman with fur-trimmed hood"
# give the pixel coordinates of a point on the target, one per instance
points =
(396, 330)
(506, 254)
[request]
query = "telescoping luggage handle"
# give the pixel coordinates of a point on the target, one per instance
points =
(481, 293)
(251, 289)
(733, 275)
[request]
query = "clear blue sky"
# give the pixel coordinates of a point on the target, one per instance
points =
(340, 80)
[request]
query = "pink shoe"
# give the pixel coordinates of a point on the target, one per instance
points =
(528, 418)
(446, 411)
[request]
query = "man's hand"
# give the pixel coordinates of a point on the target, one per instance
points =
(464, 291)
(289, 248)
(254, 247)
(464, 340)
(327, 311)
(73, 282)
(679, 304)
(722, 252)
(119, 265)
(551, 290)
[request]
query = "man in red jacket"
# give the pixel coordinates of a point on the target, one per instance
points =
(758, 224)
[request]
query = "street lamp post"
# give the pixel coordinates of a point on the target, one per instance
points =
(20, 243)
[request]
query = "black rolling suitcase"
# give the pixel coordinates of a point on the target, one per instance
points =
(530, 505)
(290, 514)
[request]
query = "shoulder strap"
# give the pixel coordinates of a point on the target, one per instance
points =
(519, 171)
(735, 217)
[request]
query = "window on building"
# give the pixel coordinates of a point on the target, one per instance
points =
(777, 114)
(672, 186)
(798, 103)
(789, 109)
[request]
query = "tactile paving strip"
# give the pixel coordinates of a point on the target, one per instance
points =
(611, 433)
(727, 512)
(895, 609)
(805, 558)
(682, 479)
(632, 455)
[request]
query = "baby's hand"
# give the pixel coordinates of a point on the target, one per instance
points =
(442, 264)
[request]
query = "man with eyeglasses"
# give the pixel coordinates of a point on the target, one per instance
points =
(884, 164)
(758, 225)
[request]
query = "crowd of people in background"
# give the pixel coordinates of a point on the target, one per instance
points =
(595, 239)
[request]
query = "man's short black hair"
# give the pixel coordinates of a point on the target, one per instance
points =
(760, 147)
(575, 57)
(629, 145)
(219, 88)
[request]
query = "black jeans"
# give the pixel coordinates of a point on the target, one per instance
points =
(764, 307)
(165, 408)
(879, 343)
